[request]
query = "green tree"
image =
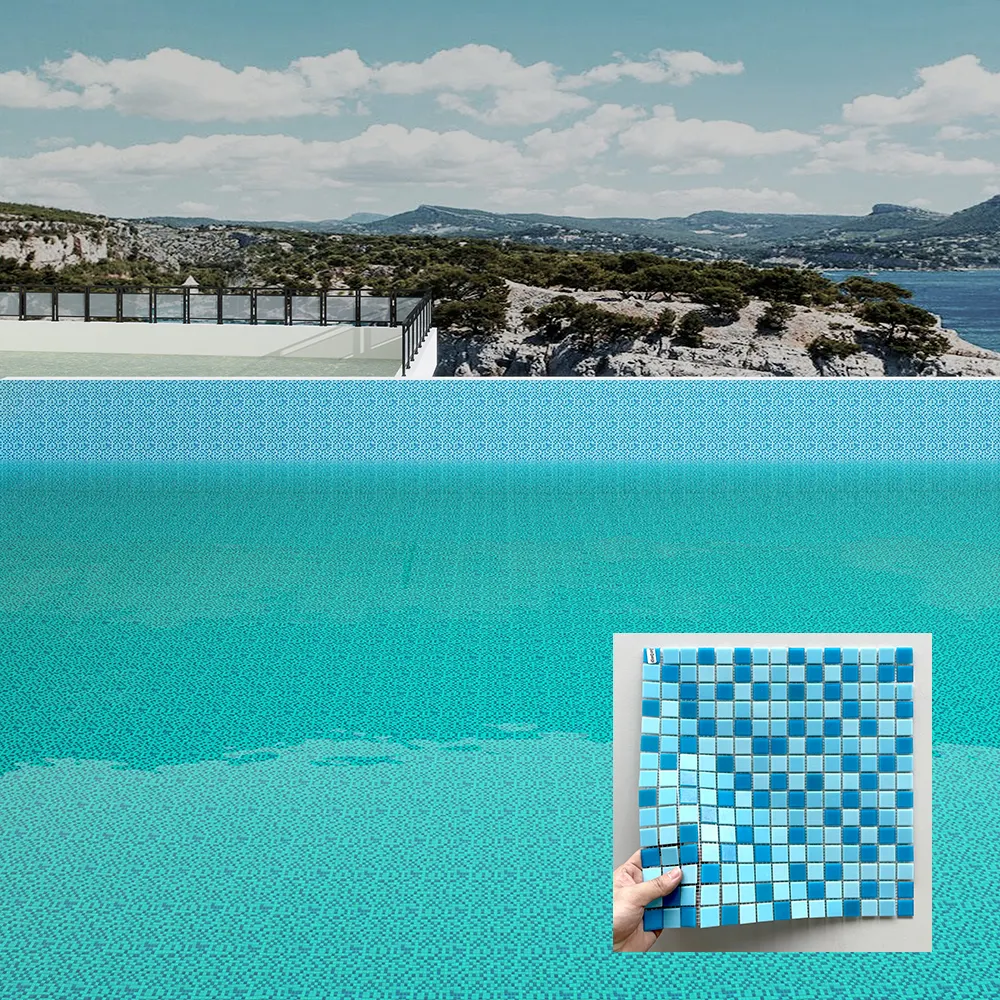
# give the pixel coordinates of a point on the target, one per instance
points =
(724, 302)
(860, 289)
(774, 319)
(663, 328)
(905, 329)
(690, 327)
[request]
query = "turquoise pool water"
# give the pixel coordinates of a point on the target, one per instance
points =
(333, 731)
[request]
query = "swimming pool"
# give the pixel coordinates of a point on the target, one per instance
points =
(340, 730)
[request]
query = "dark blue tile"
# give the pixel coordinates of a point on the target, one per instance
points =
(869, 853)
(688, 833)
(814, 781)
(649, 743)
(796, 727)
(869, 817)
(796, 799)
(727, 797)
(761, 691)
(689, 709)
(904, 654)
(674, 898)
(814, 744)
(851, 834)
(711, 873)
(905, 890)
(779, 745)
(833, 871)
(831, 727)
(761, 798)
(689, 916)
(796, 835)
(852, 907)
(886, 673)
(762, 853)
(742, 781)
(668, 761)
(831, 654)
(650, 857)
(743, 674)
(796, 655)
(652, 920)
(797, 871)
(724, 691)
(831, 690)
(742, 655)
(887, 835)
(706, 655)
(796, 692)
(742, 727)
(761, 744)
(779, 781)
(904, 674)
(904, 709)
(816, 890)
(726, 764)
(689, 691)
(765, 892)
(850, 762)
(650, 708)
(904, 799)
(851, 710)
(851, 798)
(850, 673)
(706, 727)
(831, 817)
(744, 834)
(869, 890)
(869, 727)
(887, 762)
(730, 915)
(904, 744)
(869, 781)
(814, 673)
(689, 744)
(670, 673)
(647, 797)
(782, 910)
(904, 908)
(689, 854)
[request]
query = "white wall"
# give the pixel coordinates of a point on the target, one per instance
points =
(201, 339)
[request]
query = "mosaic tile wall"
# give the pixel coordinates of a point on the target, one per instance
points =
(780, 781)
(502, 420)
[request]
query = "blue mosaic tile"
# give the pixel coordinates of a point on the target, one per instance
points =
(780, 799)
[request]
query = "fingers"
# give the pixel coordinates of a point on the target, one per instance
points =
(662, 885)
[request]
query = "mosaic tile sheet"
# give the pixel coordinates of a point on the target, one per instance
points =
(780, 781)
(446, 420)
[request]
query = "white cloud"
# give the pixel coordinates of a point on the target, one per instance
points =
(959, 133)
(952, 90)
(684, 142)
(662, 66)
(54, 141)
(583, 140)
(592, 199)
(170, 84)
(196, 207)
(281, 163)
(891, 158)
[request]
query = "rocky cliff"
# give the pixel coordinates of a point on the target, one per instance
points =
(734, 350)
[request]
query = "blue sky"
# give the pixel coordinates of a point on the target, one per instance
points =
(303, 110)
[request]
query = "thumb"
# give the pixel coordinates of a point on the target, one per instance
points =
(662, 885)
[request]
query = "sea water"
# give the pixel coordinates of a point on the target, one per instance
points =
(968, 302)
(330, 731)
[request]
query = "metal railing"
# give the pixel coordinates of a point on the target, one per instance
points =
(255, 306)
(415, 328)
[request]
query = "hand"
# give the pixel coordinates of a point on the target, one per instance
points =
(631, 897)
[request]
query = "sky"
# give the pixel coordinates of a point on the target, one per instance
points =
(316, 110)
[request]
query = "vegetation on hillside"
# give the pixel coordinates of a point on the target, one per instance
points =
(39, 213)
(469, 282)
